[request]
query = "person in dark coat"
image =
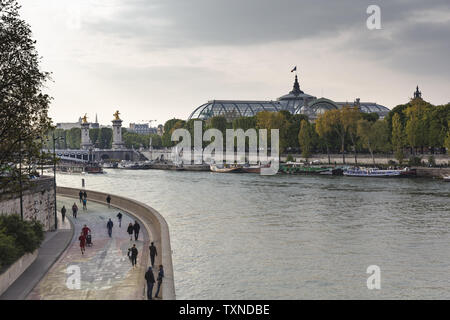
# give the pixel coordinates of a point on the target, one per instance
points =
(108, 200)
(109, 225)
(63, 213)
(84, 195)
(74, 210)
(134, 254)
(159, 279)
(130, 231)
(136, 229)
(119, 216)
(153, 253)
(81, 196)
(150, 278)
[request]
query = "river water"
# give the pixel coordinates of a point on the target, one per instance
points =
(246, 236)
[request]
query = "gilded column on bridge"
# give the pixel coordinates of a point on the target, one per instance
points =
(85, 139)
(117, 132)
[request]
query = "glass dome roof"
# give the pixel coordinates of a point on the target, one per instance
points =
(317, 107)
(233, 109)
(367, 107)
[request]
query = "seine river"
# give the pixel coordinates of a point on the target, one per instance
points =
(245, 236)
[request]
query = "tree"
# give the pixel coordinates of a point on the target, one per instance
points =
(218, 122)
(330, 123)
(325, 132)
(374, 135)
(73, 138)
(105, 138)
(349, 119)
(244, 123)
(273, 120)
(305, 138)
(169, 127)
(398, 138)
(93, 135)
(416, 127)
(447, 137)
(24, 119)
(156, 141)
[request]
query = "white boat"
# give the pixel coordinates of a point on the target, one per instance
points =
(446, 178)
(372, 172)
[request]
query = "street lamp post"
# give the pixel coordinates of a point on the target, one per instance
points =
(20, 179)
(54, 175)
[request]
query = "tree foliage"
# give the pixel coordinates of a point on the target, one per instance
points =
(306, 138)
(17, 237)
(24, 107)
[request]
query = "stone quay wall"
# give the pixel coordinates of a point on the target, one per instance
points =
(155, 224)
(365, 159)
(38, 202)
(14, 271)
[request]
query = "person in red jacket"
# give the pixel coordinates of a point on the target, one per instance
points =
(82, 239)
(85, 230)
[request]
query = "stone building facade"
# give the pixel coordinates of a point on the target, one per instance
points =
(38, 202)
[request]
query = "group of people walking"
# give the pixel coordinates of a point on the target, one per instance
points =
(83, 199)
(149, 277)
(85, 239)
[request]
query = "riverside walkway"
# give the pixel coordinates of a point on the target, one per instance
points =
(105, 271)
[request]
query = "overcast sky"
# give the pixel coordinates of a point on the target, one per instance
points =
(160, 59)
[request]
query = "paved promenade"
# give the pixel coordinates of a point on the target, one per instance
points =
(105, 270)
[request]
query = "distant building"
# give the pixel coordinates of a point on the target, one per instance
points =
(417, 94)
(95, 125)
(68, 125)
(160, 130)
(296, 102)
(141, 128)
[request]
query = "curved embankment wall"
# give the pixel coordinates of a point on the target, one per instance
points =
(155, 224)
(14, 271)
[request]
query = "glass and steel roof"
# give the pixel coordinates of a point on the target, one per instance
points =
(368, 107)
(317, 107)
(296, 102)
(232, 109)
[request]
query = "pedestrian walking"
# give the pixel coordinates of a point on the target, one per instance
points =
(108, 200)
(63, 213)
(85, 230)
(136, 229)
(82, 239)
(150, 278)
(81, 196)
(119, 216)
(109, 225)
(74, 210)
(129, 253)
(153, 253)
(84, 194)
(134, 254)
(84, 204)
(159, 279)
(130, 231)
